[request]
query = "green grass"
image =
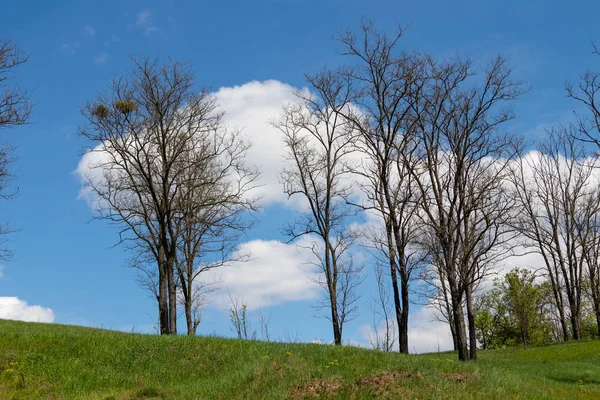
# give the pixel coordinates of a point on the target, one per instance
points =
(39, 361)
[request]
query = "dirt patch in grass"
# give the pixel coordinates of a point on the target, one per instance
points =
(463, 377)
(387, 377)
(388, 384)
(317, 388)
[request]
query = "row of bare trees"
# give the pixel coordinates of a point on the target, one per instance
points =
(547, 202)
(423, 141)
(167, 172)
(422, 146)
(15, 110)
(558, 191)
(418, 145)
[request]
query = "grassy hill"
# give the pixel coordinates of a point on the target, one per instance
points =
(67, 362)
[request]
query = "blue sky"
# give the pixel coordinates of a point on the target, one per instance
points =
(253, 55)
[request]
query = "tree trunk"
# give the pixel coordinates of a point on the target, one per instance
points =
(330, 268)
(191, 329)
(459, 322)
(403, 307)
(563, 324)
(461, 333)
(575, 322)
(403, 328)
(452, 330)
(471, 319)
(163, 309)
(398, 305)
(337, 332)
(187, 288)
(172, 297)
(560, 306)
(573, 301)
(188, 298)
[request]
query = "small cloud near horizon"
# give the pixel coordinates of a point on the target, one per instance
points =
(19, 310)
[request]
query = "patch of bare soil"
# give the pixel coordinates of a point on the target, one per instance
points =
(318, 388)
(388, 384)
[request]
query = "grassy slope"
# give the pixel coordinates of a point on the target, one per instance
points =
(55, 361)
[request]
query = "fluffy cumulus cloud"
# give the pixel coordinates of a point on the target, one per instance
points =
(252, 107)
(277, 272)
(425, 333)
(88, 170)
(17, 309)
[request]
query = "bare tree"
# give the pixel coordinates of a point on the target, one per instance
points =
(142, 132)
(213, 211)
(587, 93)
(264, 322)
(15, 109)
(588, 222)
(196, 301)
(385, 81)
(587, 129)
(319, 142)
(463, 160)
(556, 193)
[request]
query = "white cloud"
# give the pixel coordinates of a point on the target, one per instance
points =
(90, 30)
(88, 171)
(16, 309)
(144, 22)
(251, 107)
(101, 58)
(425, 334)
(277, 273)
